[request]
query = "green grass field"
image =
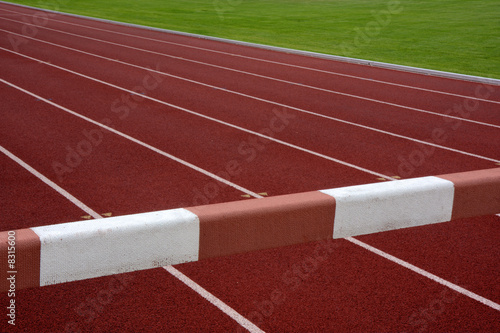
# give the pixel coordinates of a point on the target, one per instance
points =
(460, 36)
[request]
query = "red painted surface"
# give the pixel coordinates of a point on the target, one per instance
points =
(239, 227)
(20, 258)
(476, 193)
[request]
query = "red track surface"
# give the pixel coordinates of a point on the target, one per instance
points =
(337, 286)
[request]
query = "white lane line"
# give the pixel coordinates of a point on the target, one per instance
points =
(278, 104)
(251, 327)
(260, 76)
(422, 272)
(201, 116)
(275, 62)
(161, 152)
(53, 185)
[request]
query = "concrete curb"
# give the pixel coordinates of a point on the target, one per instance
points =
(416, 70)
(86, 249)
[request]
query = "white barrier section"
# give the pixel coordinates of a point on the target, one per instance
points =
(370, 208)
(82, 250)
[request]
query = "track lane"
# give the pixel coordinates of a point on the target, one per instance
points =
(202, 105)
(441, 249)
(402, 97)
(146, 301)
(345, 281)
(345, 289)
(98, 328)
(155, 130)
(28, 202)
(116, 175)
(460, 130)
(97, 109)
(184, 41)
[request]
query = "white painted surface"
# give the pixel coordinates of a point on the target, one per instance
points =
(82, 250)
(371, 208)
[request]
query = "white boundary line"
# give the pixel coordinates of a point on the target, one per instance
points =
(196, 114)
(53, 185)
(247, 324)
(265, 60)
(422, 272)
(161, 152)
(245, 73)
(403, 68)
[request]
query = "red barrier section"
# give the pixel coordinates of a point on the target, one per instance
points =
(243, 226)
(476, 193)
(19, 259)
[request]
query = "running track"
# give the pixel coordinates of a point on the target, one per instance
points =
(120, 120)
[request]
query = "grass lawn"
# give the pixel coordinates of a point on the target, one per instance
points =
(460, 36)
